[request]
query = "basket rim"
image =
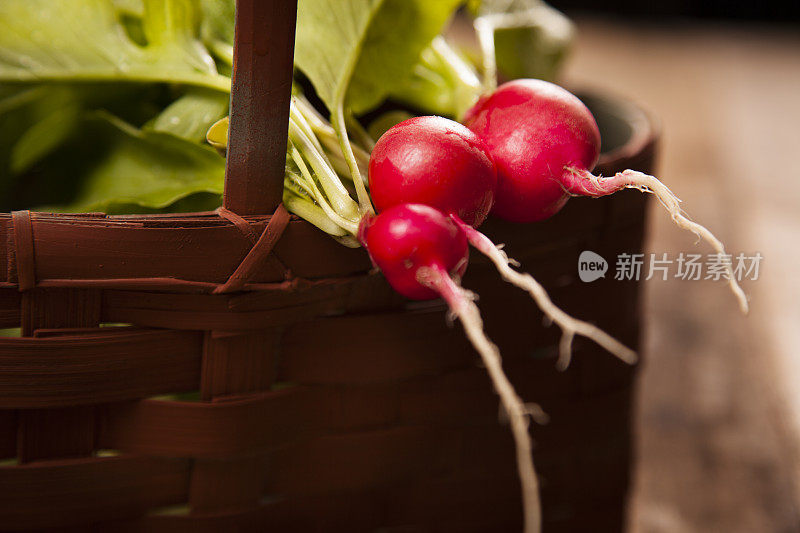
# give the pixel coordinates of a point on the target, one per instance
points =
(198, 252)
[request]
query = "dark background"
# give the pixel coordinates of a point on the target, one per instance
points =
(786, 11)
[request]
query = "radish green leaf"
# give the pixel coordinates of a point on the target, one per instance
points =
(190, 116)
(354, 51)
(148, 168)
(85, 40)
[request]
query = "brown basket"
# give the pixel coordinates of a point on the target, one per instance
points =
(326, 402)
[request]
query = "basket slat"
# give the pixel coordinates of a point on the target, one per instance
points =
(93, 369)
(106, 249)
(238, 363)
(233, 363)
(56, 433)
(10, 303)
(59, 308)
(255, 424)
(110, 488)
(71, 249)
(8, 434)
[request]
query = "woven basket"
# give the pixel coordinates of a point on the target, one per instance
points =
(326, 402)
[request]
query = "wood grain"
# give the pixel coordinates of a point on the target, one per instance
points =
(262, 80)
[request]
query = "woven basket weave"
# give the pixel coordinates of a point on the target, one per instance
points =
(326, 402)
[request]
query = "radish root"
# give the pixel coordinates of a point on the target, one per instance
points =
(569, 326)
(462, 305)
(590, 185)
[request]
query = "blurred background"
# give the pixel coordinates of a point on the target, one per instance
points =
(718, 419)
(718, 422)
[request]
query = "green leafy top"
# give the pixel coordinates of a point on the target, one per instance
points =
(354, 51)
(86, 40)
(218, 27)
(112, 97)
(146, 167)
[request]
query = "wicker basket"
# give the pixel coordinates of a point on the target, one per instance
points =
(326, 402)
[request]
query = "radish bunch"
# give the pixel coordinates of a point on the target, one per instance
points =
(441, 163)
(523, 151)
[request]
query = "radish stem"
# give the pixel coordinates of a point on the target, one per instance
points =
(444, 64)
(569, 325)
(311, 186)
(551, 24)
(484, 29)
(327, 136)
(297, 116)
(311, 212)
(461, 305)
(586, 183)
(362, 136)
(344, 143)
(337, 194)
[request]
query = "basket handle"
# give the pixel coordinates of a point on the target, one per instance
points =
(263, 58)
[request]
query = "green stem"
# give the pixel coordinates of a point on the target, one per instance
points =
(222, 50)
(316, 120)
(467, 86)
(306, 128)
(362, 137)
(484, 28)
(308, 210)
(327, 137)
(442, 82)
(331, 184)
(296, 184)
(338, 161)
(349, 225)
(344, 143)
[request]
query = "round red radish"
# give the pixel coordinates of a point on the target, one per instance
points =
(433, 161)
(544, 143)
(534, 130)
(405, 238)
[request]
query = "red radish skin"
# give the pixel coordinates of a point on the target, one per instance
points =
(407, 237)
(422, 253)
(433, 161)
(544, 143)
(533, 130)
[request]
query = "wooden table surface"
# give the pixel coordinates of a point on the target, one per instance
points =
(718, 422)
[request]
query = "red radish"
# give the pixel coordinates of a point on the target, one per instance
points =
(544, 142)
(420, 251)
(534, 129)
(435, 161)
(411, 153)
(408, 237)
